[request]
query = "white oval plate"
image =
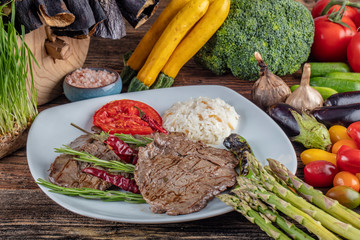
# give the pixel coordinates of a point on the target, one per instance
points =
(52, 129)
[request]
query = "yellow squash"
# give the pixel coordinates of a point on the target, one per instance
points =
(143, 49)
(184, 20)
(198, 36)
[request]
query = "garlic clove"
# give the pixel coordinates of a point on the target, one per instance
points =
(305, 98)
(269, 89)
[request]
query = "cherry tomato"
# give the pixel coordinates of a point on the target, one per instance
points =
(320, 5)
(338, 132)
(353, 131)
(348, 159)
(348, 179)
(358, 176)
(331, 39)
(320, 173)
(345, 196)
(348, 142)
(312, 154)
(121, 116)
(353, 53)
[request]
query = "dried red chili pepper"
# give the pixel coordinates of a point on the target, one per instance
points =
(155, 126)
(121, 149)
(117, 180)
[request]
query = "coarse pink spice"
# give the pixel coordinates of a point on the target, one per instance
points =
(89, 78)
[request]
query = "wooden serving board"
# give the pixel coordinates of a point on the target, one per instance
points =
(49, 73)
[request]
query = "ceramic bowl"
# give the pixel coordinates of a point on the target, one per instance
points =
(74, 93)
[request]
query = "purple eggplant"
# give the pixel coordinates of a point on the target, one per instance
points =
(338, 115)
(281, 114)
(300, 127)
(343, 98)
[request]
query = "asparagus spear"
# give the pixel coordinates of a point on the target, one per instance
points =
(113, 165)
(89, 193)
(247, 185)
(239, 147)
(329, 205)
(253, 216)
(269, 182)
(274, 216)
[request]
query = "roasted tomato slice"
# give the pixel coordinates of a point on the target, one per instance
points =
(121, 116)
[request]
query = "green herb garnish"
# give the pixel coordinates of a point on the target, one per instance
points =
(88, 193)
(129, 139)
(112, 165)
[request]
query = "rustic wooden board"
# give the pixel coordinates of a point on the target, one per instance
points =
(27, 213)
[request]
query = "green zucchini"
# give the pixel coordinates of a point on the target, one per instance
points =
(137, 85)
(340, 85)
(344, 75)
(163, 81)
(320, 69)
(324, 91)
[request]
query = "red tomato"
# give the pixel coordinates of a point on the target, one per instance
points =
(320, 5)
(121, 116)
(331, 39)
(345, 196)
(353, 53)
(344, 178)
(348, 159)
(320, 173)
(353, 131)
(357, 20)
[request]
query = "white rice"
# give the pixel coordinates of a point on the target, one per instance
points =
(205, 119)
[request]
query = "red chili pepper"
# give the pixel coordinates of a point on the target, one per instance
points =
(354, 132)
(155, 126)
(348, 159)
(117, 180)
(121, 149)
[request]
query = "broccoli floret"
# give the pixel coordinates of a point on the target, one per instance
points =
(282, 31)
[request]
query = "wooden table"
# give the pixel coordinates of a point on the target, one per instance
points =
(27, 213)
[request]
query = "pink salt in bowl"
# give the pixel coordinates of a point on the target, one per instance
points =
(86, 83)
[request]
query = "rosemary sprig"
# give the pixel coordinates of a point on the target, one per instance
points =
(88, 193)
(112, 165)
(129, 139)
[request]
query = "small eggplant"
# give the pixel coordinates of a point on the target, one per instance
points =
(344, 98)
(338, 115)
(300, 127)
(281, 113)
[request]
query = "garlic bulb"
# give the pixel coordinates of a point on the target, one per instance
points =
(305, 98)
(269, 89)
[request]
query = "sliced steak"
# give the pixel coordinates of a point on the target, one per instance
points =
(66, 172)
(178, 176)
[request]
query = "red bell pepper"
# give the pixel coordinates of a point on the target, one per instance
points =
(353, 131)
(348, 159)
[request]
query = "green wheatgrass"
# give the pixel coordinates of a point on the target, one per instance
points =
(18, 99)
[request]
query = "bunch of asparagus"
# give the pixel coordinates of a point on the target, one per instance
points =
(274, 188)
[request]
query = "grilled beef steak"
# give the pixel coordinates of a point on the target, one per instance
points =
(66, 172)
(178, 176)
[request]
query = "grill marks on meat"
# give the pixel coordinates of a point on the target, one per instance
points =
(66, 172)
(178, 176)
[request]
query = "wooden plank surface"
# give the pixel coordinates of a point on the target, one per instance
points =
(27, 213)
